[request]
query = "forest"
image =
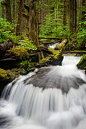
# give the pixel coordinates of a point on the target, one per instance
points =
(28, 27)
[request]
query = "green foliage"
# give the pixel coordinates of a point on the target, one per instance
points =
(53, 22)
(5, 30)
(20, 53)
(81, 35)
(27, 44)
(3, 74)
(53, 27)
(15, 38)
(26, 64)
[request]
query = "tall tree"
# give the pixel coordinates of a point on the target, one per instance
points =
(71, 15)
(32, 16)
(80, 8)
(8, 10)
(64, 12)
(19, 27)
(14, 8)
(75, 14)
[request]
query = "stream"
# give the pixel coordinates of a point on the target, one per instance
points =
(52, 97)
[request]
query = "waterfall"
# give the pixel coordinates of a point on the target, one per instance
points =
(49, 98)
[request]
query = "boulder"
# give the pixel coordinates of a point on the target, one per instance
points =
(82, 63)
(54, 58)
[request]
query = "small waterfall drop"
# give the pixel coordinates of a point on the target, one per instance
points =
(49, 98)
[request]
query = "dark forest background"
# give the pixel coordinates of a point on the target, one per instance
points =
(43, 18)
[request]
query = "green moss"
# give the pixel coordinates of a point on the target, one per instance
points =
(54, 52)
(61, 46)
(44, 60)
(3, 74)
(21, 53)
(83, 58)
(82, 63)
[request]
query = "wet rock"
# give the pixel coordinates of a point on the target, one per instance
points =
(55, 58)
(57, 77)
(82, 63)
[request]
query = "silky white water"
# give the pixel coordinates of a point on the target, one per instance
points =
(24, 106)
(53, 45)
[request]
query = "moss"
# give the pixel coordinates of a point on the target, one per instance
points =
(21, 53)
(55, 56)
(60, 46)
(54, 52)
(82, 63)
(4, 74)
(44, 60)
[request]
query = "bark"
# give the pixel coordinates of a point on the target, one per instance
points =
(80, 16)
(8, 11)
(64, 12)
(19, 27)
(77, 5)
(71, 15)
(14, 7)
(75, 15)
(33, 21)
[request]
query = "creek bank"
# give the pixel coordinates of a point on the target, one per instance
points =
(82, 63)
(18, 63)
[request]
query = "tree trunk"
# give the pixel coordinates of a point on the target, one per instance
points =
(71, 15)
(75, 15)
(33, 24)
(14, 8)
(77, 5)
(32, 16)
(8, 11)
(19, 27)
(80, 16)
(64, 12)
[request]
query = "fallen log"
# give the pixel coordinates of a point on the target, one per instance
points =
(5, 46)
(51, 38)
(61, 45)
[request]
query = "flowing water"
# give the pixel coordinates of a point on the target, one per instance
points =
(24, 106)
(53, 45)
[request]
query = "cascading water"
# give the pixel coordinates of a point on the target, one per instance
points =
(49, 98)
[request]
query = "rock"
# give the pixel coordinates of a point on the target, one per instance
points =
(55, 58)
(82, 63)
(4, 77)
(59, 77)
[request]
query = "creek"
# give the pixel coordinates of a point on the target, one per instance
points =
(49, 98)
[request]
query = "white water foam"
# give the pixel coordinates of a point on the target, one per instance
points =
(53, 45)
(29, 107)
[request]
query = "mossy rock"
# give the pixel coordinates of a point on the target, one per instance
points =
(4, 75)
(55, 53)
(19, 53)
(55, 58)
(82, 62)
